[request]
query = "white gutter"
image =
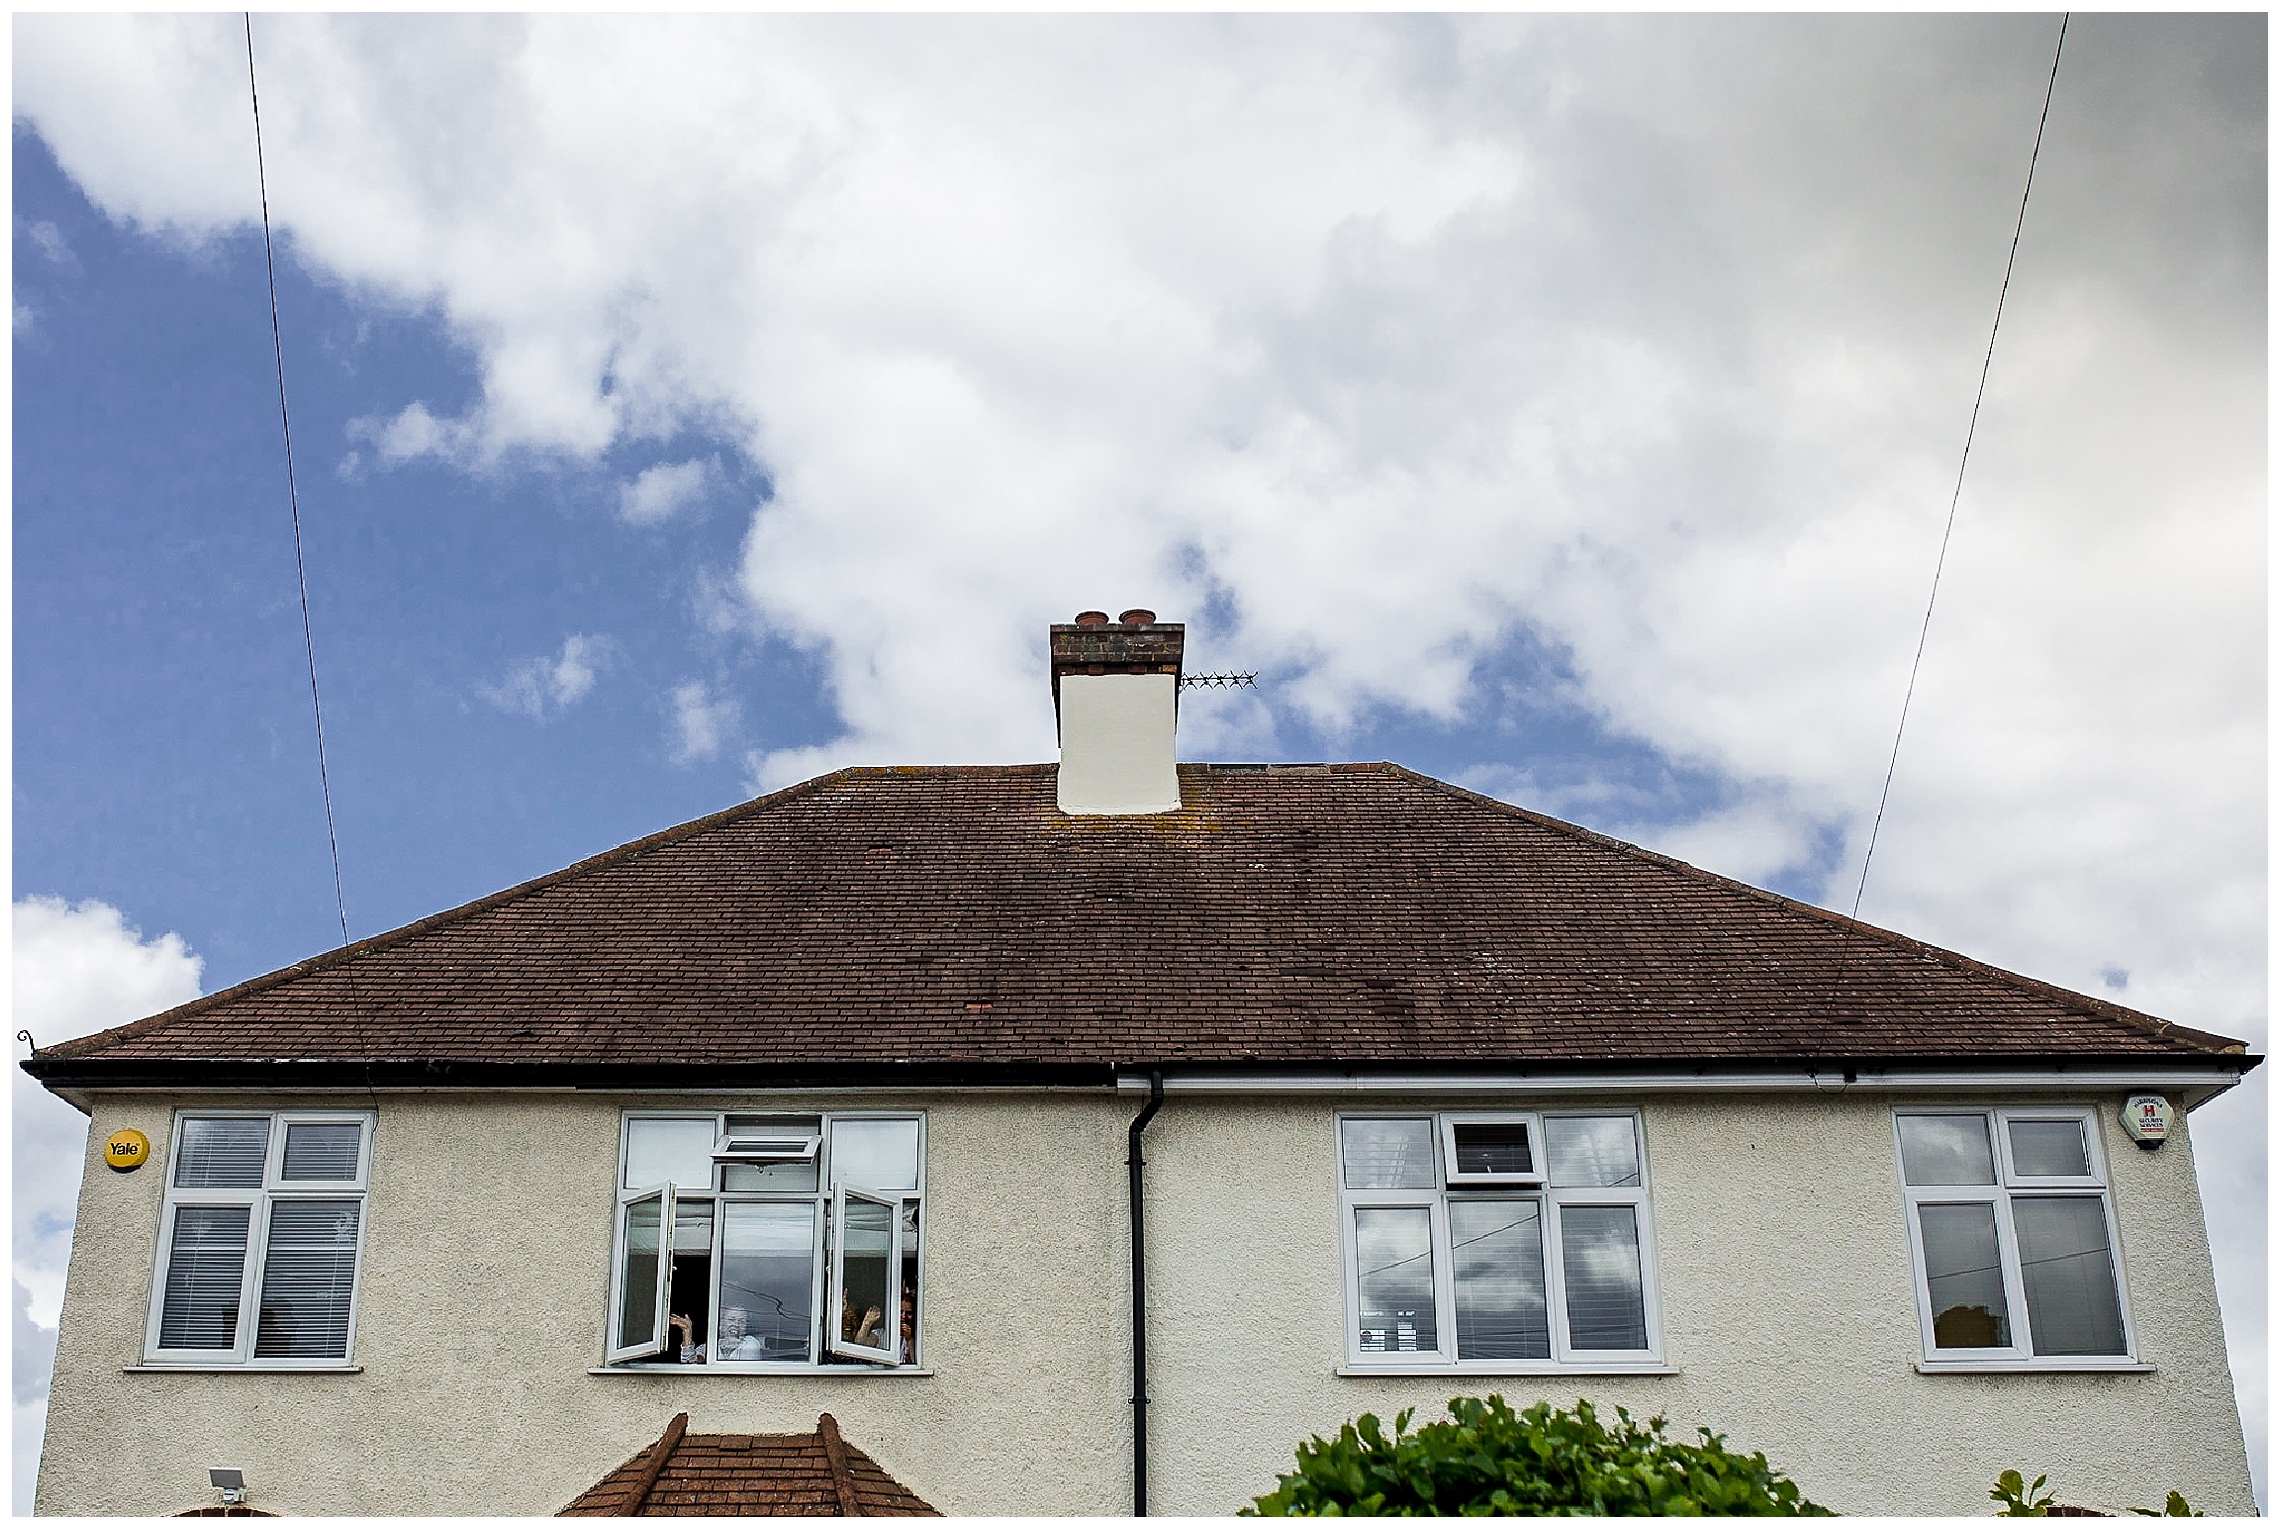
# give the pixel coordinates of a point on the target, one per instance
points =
(2198, 1083)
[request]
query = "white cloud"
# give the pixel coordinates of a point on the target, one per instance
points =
(701, 722)
(545, 687)
(415, 433)
(1391, 338)
(78, 968)
(49, 241)
(666, 490)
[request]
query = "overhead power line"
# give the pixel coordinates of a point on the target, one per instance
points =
(292, 487)
(1986, 363)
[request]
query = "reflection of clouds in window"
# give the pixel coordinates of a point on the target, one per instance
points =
(1394, 1252)
(875, 1154)
(2049, 1149)
(1388, 1154)
(676, 1152)
(2072, 1305)
(1606, 1304)
(1946, 1149)
(1597, 1152)
(767, 1264)
(1499, 1255)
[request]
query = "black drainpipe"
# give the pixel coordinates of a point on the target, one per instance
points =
(1140, 1304)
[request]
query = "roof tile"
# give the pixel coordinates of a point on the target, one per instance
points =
(1343, 914)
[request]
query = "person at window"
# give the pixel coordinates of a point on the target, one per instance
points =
(869, 1331)
(685, 1334)
(735, 1340)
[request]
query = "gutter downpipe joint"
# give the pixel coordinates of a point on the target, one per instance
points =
(1140, 1302)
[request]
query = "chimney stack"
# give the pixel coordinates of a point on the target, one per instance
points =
(1116, 693)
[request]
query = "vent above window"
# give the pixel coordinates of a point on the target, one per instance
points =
(1491, 1149)
(767, 1141)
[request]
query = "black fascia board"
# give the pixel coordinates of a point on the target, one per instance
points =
(449, 1072)
(456, 1073)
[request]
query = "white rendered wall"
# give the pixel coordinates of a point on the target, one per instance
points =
(1784, 1281)
(1116, 743)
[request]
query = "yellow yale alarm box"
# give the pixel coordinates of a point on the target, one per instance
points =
(126, 1150)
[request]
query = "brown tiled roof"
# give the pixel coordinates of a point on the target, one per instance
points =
(1295, 915)
(810, 1475)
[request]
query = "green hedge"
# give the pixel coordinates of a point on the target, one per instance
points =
(1489, 1459)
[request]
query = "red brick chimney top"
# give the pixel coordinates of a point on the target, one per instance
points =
(1137, 643)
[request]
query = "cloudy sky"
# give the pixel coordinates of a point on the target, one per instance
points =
(1567, 407)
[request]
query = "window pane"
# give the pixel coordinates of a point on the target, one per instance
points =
(2049, 1149)
(1388, 1154)
(322, 1151)
(875, 1154)
(1965, 1276)
(1595, 1153)
(222, 1154)
(868, 1248)
(766, 1281)
(1498, 1247)
(1393, 1253)
(205, 1275)
(307, 1279)
(1599, 1260)
(637, 1310)
(792, 1175)
(1501, 1147)
(676, 1152)
(692, 1227)
(795, 1177)
(2072, 1306)
(1945, 1149)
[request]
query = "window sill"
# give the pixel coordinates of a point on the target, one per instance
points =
(1521, 1367)
(241, 1369)
(2035, 1367)
(748, 1371)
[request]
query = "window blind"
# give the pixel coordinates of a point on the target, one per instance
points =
(222, 1154)
(322, 1151)
(307, 1280)
(205, 1277)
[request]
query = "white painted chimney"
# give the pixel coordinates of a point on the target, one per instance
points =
(1116, 690)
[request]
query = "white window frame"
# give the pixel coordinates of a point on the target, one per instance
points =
(1452, 1187)
(274, 1186)
(1454, 1177)
(660, 1331)
(826, 1262)
(2019, 1353)
(891, 1314)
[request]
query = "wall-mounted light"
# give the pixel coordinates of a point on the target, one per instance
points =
(231, 1482)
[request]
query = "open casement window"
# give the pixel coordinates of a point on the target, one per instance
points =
(743, 1240)
(644, 1280)
(1497, 1241)
(2011, 1233)
(261, 1238)
(865, 1300)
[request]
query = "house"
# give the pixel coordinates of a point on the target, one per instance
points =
(853, 1098)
